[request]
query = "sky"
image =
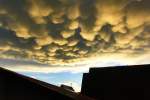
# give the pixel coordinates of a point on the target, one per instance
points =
(41, 38)
(66, 78)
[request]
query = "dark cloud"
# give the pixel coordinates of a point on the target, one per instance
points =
(65, 31)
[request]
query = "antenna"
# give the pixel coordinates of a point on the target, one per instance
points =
(71, 84)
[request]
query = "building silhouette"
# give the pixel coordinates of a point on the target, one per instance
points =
(109, 83)
(14, 86)
(117, 83)
(67, 87)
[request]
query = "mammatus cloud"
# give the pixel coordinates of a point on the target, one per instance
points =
(67, 31)
(80, 67)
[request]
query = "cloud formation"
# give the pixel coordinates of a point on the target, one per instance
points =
(104, 60)
(66, 31)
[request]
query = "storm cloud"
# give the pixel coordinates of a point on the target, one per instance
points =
(67, 31)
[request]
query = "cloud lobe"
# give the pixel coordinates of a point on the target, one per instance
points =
(66, 31)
